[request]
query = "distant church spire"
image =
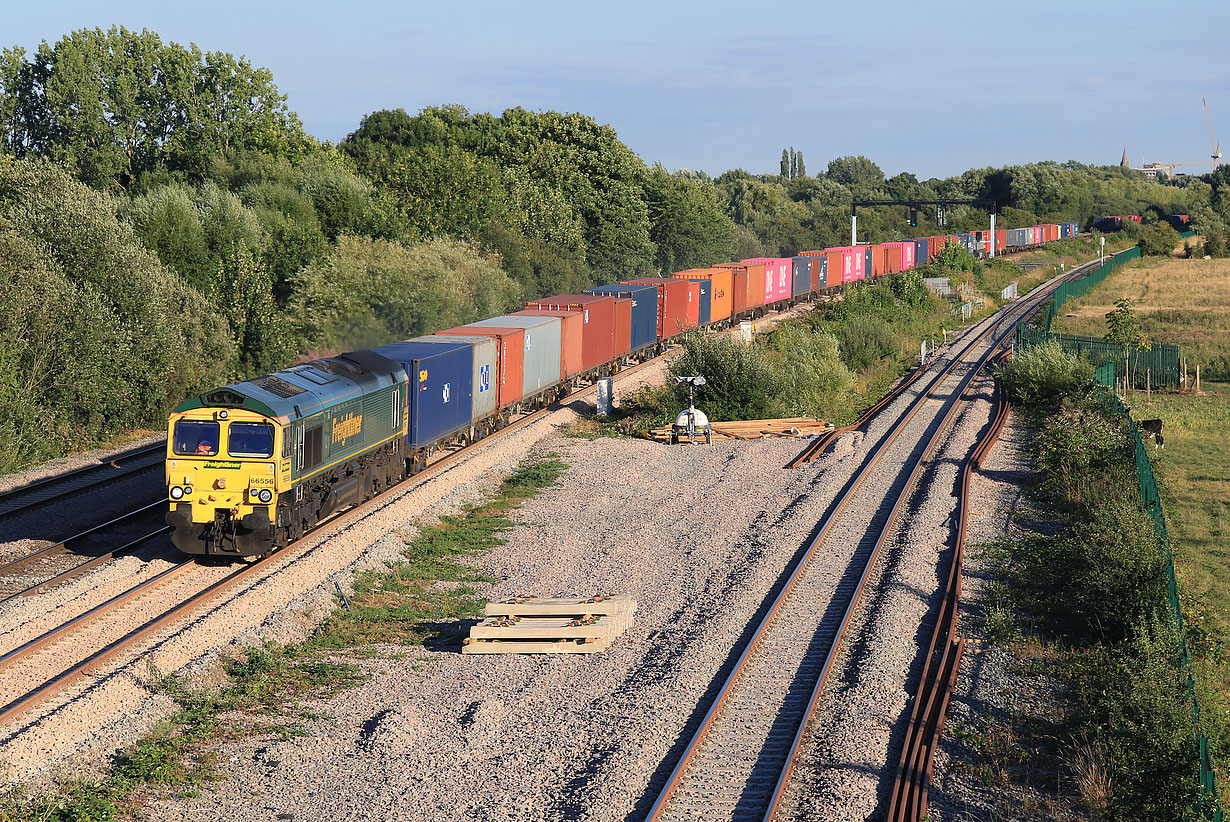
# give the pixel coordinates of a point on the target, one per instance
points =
(1124, 162)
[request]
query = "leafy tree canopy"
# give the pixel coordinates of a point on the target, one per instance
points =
(113, 104)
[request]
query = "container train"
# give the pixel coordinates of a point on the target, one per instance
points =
(255, 465)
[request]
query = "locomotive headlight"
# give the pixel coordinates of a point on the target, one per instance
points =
(265, 495)
(187, 489)
(177, 493)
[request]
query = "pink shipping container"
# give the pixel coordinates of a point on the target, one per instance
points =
(853, 262)
(777, 274)
(903, 256)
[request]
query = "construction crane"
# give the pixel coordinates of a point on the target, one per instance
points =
(1215, 146)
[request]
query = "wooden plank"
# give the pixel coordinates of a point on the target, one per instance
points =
(565, 646)
(518, 627)
(560, 606)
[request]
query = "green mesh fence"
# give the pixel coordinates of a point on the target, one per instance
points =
(1211, 805)
(1159, 366)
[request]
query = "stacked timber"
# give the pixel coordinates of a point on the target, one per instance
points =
(755, 429)
(550, 625)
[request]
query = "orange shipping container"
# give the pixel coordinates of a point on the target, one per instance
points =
(510, 358)
(623, 327)
(832, 266)
(721, 289)
(754, 295)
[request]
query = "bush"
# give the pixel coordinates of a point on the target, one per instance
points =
(741, 379)
(814, 380)
(1038, 376)
(1158, 240)
(1135, 698)
(370, 292)
(864, 341)
(97, 337)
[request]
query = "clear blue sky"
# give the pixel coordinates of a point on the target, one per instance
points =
(933, 88)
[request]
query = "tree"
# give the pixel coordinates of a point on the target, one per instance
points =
(113, 104)
(855, 172)
(687, 222)
(802, 169)
(97, 337)
(785, 163)
(794, 164)
(1123, 328)
(1158, 240)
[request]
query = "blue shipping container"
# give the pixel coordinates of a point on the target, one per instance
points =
(868, 262)
(800, 280)
(920, 252)
(704, 312)
(644, 310)
(441, 376)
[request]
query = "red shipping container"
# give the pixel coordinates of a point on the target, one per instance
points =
(672, 304)
(572, 335)
(598, 320)
(693, 303)
(738, 291)
(623, 327)
(721, 281)
(510, 358)
(901, 256)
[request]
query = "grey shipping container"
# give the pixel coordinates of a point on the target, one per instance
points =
(440, 374)
(868, 261)
(543, 349)
(482, 383)
(644, 310)
(800, 277)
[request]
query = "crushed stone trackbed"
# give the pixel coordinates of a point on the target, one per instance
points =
(697, 535)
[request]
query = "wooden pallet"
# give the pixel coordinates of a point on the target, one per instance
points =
(550, 625)
(755, 429)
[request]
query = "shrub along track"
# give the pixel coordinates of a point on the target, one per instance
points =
(739, 761)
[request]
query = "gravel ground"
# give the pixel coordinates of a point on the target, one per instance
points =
(698, 535)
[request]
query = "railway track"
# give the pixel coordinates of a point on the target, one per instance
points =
(90, 656)
(69, 484)
(52, 559)
(739, 761)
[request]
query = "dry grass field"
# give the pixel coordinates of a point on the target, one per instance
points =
(1178, 301)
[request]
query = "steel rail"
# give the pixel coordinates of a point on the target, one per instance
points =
(660, 805)
(953, 405)
(937, 680)
(64, 543)
(665, 796)
(77, 570)
(11, 502)
(817, 446)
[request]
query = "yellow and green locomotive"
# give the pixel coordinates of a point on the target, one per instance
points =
(257, 464)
